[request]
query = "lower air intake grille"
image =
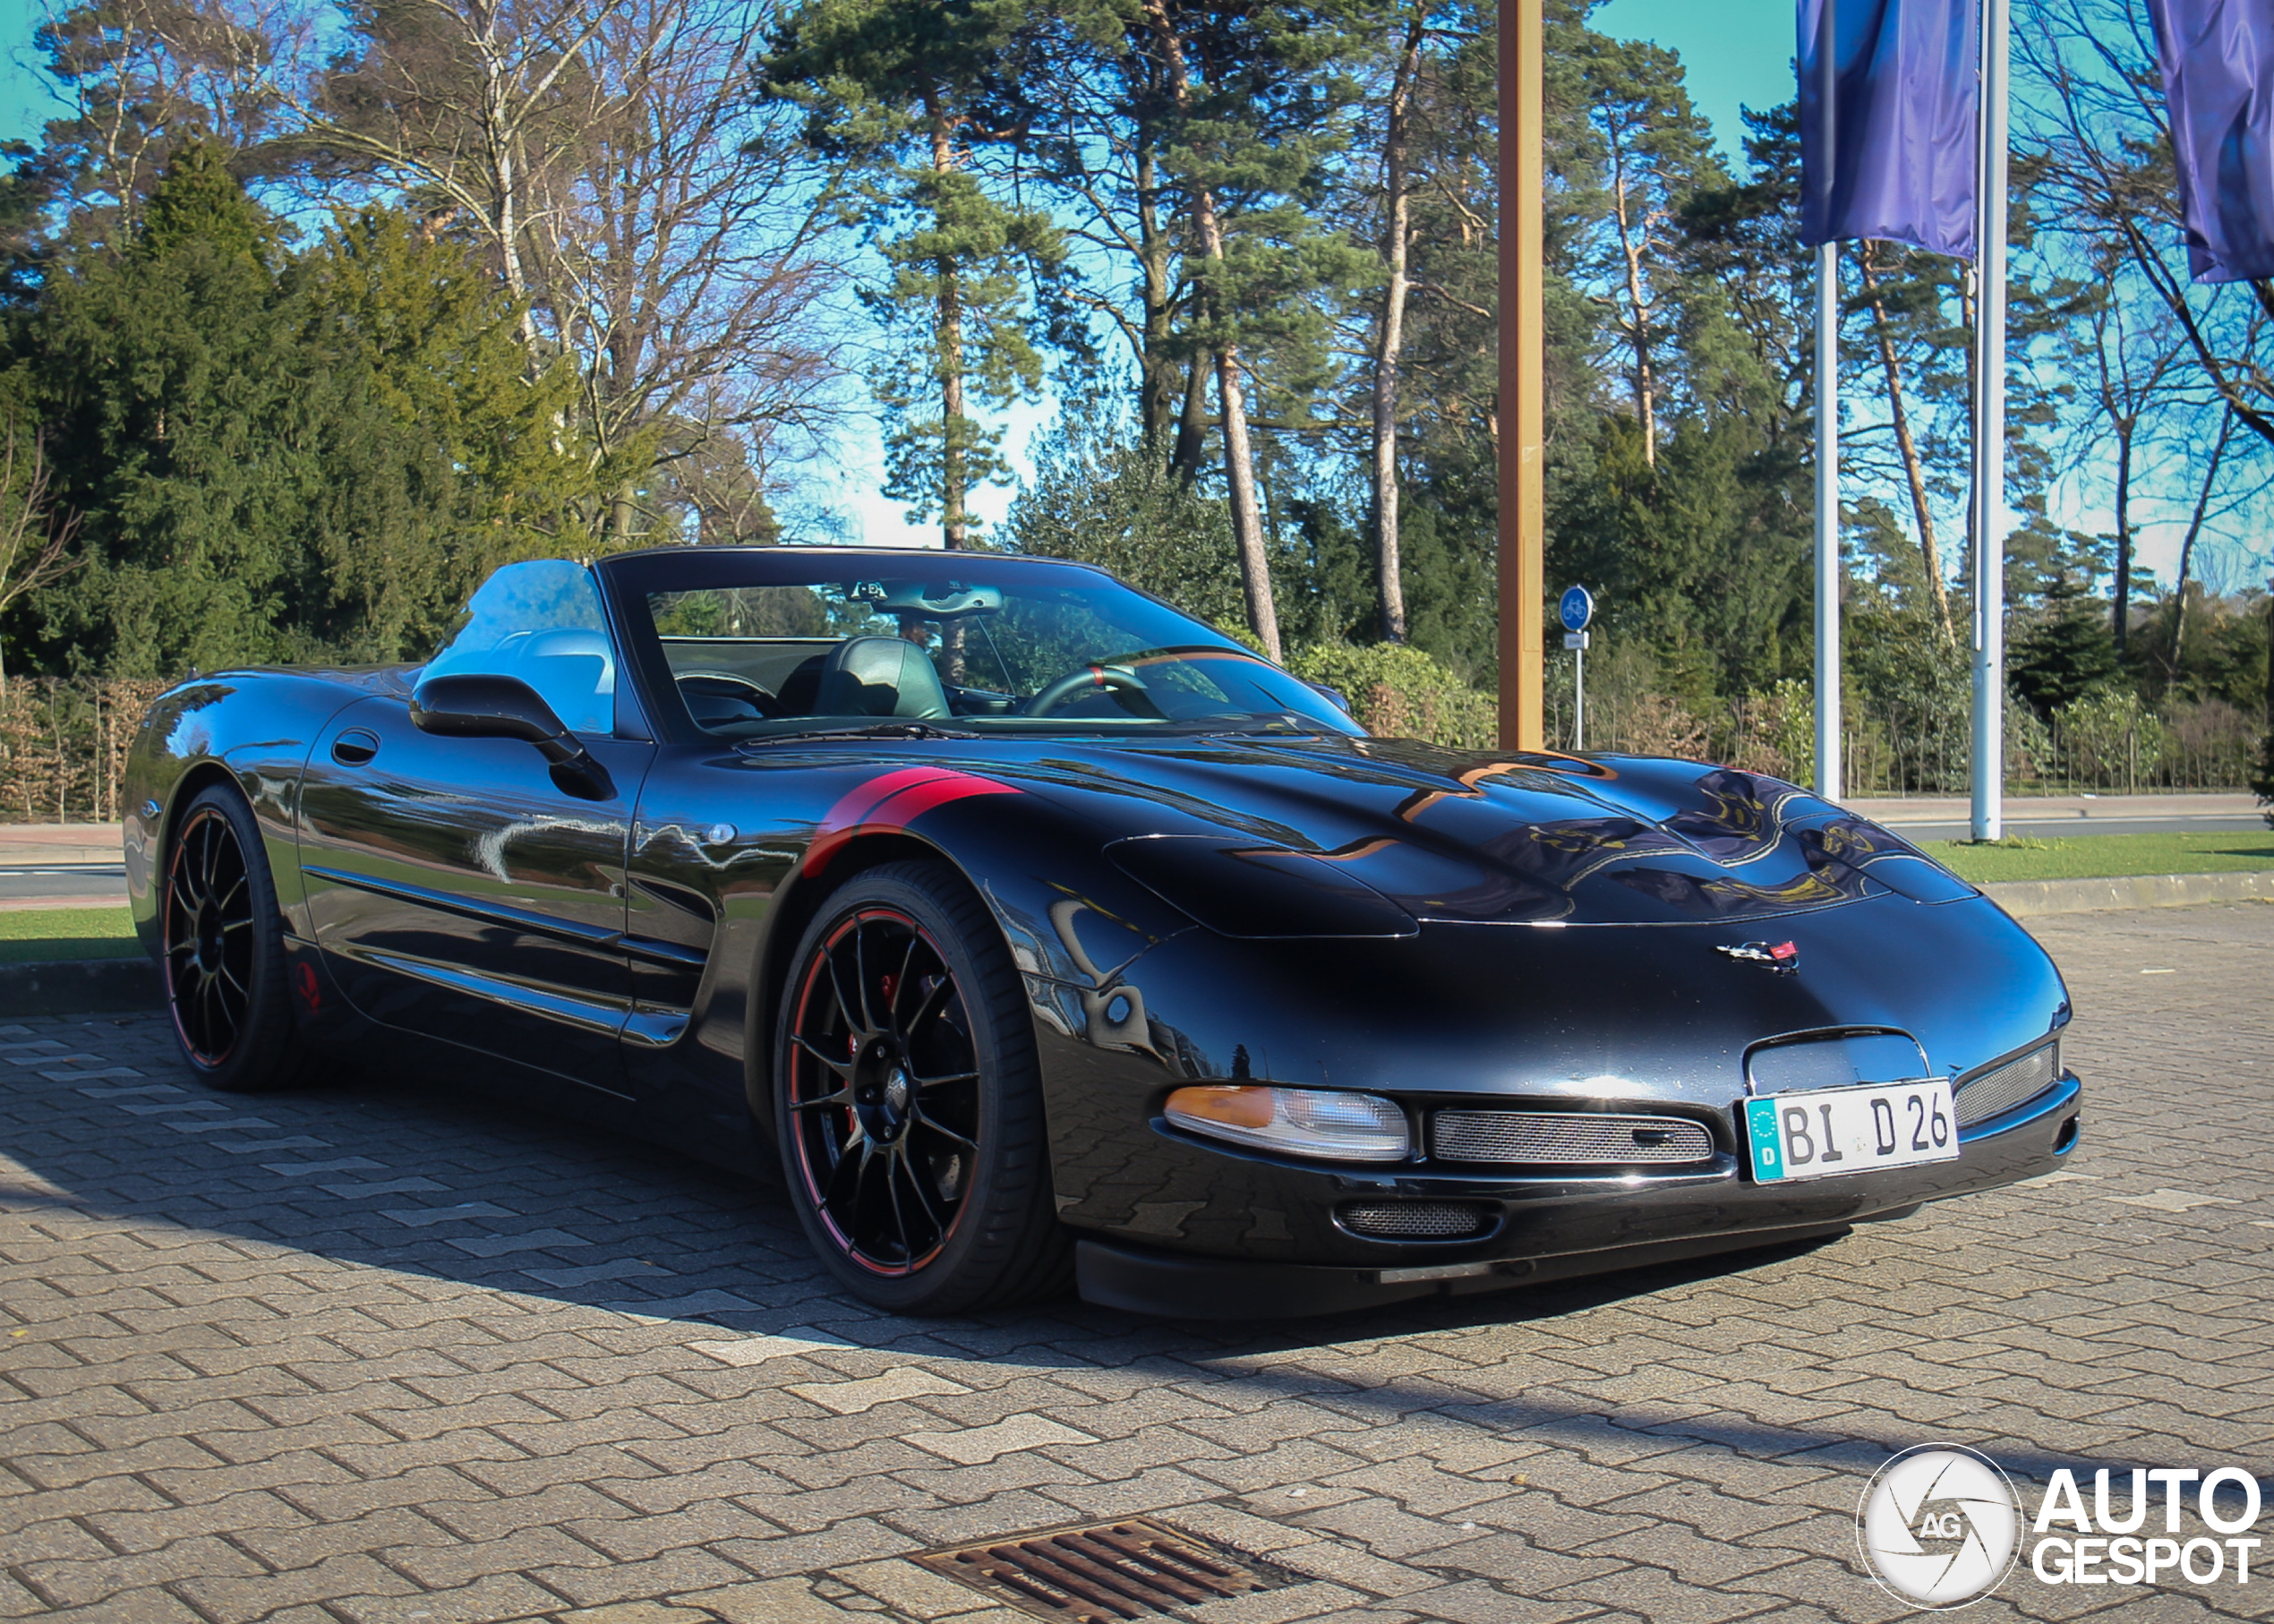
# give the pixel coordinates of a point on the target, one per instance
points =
(2016, 1082)
(1131, 1569)
(1416, 1221)
(1565, 1136)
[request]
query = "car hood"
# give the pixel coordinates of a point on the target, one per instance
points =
(1267, 837)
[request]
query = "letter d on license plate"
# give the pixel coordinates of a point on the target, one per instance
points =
(1828, 1131)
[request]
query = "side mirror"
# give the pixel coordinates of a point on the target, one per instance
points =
(1341, 701)
(476, 704)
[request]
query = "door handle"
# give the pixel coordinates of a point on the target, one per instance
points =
(354, 748)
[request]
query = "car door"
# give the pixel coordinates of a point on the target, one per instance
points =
(455, 888)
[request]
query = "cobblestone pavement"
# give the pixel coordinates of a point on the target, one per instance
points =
(379, 1353)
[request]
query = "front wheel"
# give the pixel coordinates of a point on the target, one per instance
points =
(225, 986)
(910, 1103)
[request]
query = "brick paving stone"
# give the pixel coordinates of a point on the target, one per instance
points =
(909, 1589)
(378, 1353)
(852, 1398)
(772, 1601)
(973, 1446)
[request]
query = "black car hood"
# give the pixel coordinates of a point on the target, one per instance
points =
(1242, 833)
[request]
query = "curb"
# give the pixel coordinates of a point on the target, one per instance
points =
(73, 986)
(2030, 899)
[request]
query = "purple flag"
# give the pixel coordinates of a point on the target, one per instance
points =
(1893, 155)
(2218, 79)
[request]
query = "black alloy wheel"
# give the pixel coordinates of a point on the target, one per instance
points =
(908, 1100)
(222, 942)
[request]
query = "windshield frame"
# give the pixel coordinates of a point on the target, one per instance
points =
(627, 580)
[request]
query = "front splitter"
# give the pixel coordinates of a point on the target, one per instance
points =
(1113, 1274)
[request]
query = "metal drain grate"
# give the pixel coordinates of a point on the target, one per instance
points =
(1103, 1572)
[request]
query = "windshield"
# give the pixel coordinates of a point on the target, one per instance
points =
(759, 644)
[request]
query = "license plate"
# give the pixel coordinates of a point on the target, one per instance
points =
(1829, 1132)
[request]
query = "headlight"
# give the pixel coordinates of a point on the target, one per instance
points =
(1301, 1122)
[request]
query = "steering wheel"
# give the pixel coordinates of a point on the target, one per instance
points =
(719, 684)
(1092, 678)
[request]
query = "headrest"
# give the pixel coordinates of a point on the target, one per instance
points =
(880, 677)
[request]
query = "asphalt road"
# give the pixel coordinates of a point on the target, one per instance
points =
(377, 1352)
(2067, 816)
(92, 883)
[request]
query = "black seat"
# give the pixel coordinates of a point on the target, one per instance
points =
(880, 677)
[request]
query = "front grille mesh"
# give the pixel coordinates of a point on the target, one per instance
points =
(2016, 1082)
(1416, 1221)
(1567, 1136)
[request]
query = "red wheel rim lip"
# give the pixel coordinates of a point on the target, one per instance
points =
(167, 910)
(815, 975)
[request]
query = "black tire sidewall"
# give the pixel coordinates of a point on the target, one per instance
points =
(968, 1269)
(267, 1054)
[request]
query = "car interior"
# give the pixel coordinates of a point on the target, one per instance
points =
(731, 683)
(766, 661)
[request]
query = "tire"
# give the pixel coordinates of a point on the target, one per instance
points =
(227, 991)
(910, 1101)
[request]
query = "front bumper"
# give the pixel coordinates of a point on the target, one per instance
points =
(1544, 1230)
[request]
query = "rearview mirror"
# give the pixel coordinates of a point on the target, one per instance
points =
(480, 705)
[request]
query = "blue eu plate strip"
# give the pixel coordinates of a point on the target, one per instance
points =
(1767, 1149)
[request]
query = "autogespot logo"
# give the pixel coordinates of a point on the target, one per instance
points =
(1939, 1525)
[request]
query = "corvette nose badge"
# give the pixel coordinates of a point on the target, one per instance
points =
(1784, 958)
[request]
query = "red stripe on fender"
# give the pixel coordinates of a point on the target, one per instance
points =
(858, 803)
(911, 803)
(891, 803)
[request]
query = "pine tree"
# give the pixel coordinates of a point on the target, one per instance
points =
(460, 465)
(912, 93)
(189, 424)
(282, 457)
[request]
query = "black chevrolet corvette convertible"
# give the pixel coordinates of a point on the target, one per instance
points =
(1047, 936)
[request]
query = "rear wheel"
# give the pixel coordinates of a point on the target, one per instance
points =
(225, 985)
(910, 1102)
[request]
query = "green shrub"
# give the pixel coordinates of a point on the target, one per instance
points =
(2111, 737)
(1397, 691)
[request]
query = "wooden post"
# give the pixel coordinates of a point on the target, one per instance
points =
(1523, 404)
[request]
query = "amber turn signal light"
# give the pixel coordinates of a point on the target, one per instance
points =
(1326, 1123)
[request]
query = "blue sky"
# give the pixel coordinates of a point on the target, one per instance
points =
(21, 93)
(1738, 51)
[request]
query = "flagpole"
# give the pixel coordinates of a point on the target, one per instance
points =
(1523, 403)
(1989, 515)
(1828, 781)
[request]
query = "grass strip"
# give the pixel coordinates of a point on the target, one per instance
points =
(36, 935)
(2094, 857)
